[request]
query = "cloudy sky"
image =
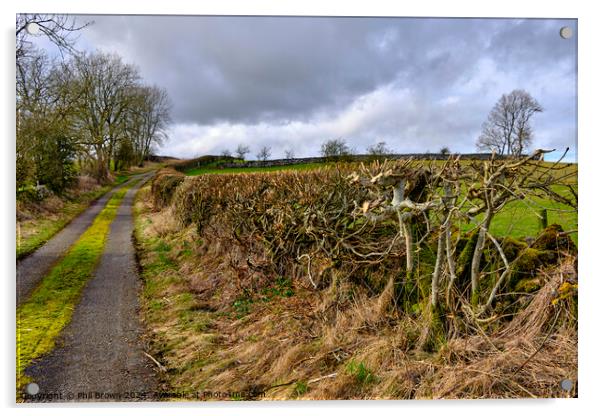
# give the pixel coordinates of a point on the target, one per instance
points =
(292, 82)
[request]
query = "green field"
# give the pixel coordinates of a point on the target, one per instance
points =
(522, 218)
(528, 220)
(213, 169)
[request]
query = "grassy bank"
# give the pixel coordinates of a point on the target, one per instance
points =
(50, 307)
(222, 318)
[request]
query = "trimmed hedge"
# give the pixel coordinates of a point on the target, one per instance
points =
(164, 186)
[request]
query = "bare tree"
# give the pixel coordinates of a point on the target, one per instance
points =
(379, 149)
(45, 136)
(32, 86)
(44, 141)
(264, 153)
(226, 153)
(241, 151)
(147, 119)
(289, 154)
(104, 85)
(91, 108)
(335, 147)
(507, 130)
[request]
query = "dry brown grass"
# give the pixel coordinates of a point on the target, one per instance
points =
(526, 358)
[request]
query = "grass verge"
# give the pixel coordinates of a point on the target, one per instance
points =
(31, 235)
(50, 307)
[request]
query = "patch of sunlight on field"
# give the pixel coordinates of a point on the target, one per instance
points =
(522, 218)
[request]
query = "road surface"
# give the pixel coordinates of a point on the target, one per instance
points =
(100, 355)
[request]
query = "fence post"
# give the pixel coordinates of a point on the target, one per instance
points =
(543, 218)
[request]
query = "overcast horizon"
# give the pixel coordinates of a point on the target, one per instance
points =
(418, 84)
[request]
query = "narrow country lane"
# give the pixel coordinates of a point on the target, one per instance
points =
(32, 268)
(99, 356)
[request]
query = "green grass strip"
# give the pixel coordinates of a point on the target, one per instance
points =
(50, 307)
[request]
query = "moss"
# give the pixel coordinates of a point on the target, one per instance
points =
(430, 334)
(512, 247)
(527, 260)
(475, 296)
(425, 265)
(528, 285)
(552, 239)
(437, 337)
(526, 267)
(465, 259)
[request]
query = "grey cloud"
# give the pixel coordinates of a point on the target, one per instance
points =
(293, 82)
(249, 69)
(533, 45)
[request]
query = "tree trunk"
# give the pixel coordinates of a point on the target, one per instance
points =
(451, 263)
(437, 271)
(476, 258)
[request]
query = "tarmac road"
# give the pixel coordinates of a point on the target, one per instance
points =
(99, 355)
(32, 268)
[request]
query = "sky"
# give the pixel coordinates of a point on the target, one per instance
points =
(292, 83)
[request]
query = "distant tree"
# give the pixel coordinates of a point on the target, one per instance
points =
(226, 153)
(334, 148)
(507, 130)
(147, 119)
(445, 150)
(241, 151)
(289, 154)
(378, 149)
(264, 153)
(125, 155)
